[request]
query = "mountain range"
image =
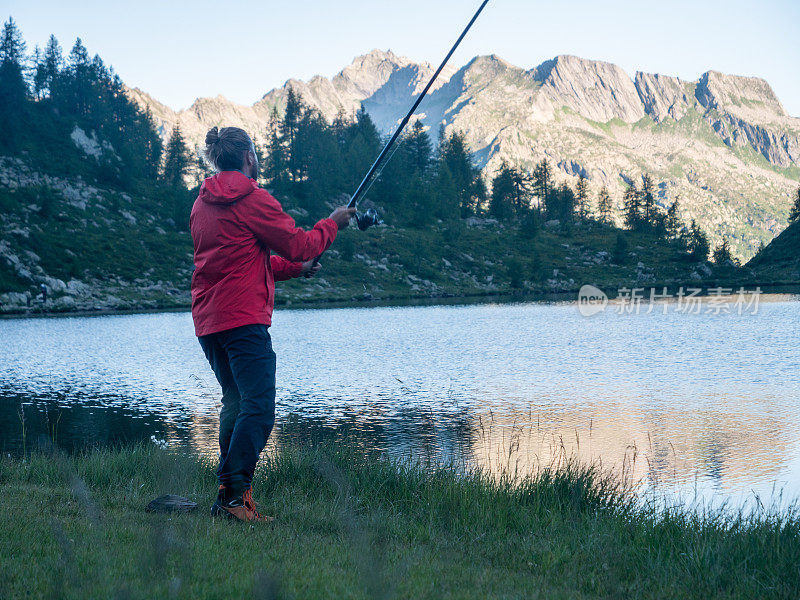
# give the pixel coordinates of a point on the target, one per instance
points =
(723, 144)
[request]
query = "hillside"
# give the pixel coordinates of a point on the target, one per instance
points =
(780, 261)
(102, 248)
(92, 246)
(724, 144)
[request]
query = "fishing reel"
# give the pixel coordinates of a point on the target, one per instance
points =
(364, 221)
(367, 219)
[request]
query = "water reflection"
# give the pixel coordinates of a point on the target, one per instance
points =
(705, 402)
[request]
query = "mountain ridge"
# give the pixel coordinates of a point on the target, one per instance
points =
(723, 143)
(713, 87)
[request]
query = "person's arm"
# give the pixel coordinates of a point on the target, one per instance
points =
(277, 230)
(283, 269)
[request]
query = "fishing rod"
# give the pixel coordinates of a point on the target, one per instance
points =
(370, 217)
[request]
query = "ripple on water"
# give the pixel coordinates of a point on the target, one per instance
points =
(700, 403)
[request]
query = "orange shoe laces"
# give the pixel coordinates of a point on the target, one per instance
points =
(250, 505)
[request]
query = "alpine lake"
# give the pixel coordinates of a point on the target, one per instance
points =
(697, 402)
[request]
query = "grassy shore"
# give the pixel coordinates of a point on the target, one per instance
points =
(354, 525)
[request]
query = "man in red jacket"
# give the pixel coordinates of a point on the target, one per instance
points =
(235, 228)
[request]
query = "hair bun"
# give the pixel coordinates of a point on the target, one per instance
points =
(212, 137)
(227, 156)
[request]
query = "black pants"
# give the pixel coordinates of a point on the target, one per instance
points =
(244, 363)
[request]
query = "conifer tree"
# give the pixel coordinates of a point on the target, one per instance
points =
(445, 194)
(511, 193)
(454, 152)
(698, 245)
(396, 176)
(419, 149)
(339, 124)
(543, 183)
(320, 161)
(672, 222)
(292, 114)
(142, 132)
(311, 156)
(648, 203)
(530, 223)
(361, 145)
(470, 192)
(582, 198)
(274, 167)
(500, 205)
(632, 202)
(604, 208)
(562, 204)
(794, 215)
(292, 117)
(417, 201)
(481, 195)
(51, 65)
(12, 46)
(13, 89)
(200, 168)
(521, 197)
(176, 159)
(722, 254)
(619, 254)
(37, 74)
(99, 72)
(78, 59)
(77, 81)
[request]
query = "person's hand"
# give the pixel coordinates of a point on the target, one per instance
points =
(310, 269)
(342, 216)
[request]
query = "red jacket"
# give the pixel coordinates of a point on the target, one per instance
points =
(235, 225)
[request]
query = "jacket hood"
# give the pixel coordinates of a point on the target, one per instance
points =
(226, 187)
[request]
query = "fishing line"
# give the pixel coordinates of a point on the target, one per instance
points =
(380, 172)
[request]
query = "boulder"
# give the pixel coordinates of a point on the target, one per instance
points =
(55, 286)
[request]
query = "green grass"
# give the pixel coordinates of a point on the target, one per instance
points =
(355, 525)
(609, 126)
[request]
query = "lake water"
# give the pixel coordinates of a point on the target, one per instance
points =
(706, 406)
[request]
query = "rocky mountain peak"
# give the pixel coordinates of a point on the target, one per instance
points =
(750, 95)
(217, 100)
(214, 110)
(378, 55)
(489, 65)
(367, 73)
(597, 90)
(488, 62)
(664, 96)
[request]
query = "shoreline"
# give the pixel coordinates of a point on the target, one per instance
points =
(566, 295)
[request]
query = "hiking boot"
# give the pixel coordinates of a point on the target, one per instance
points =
(241, 508)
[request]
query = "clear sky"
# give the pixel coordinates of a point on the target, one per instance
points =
(178, 51)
